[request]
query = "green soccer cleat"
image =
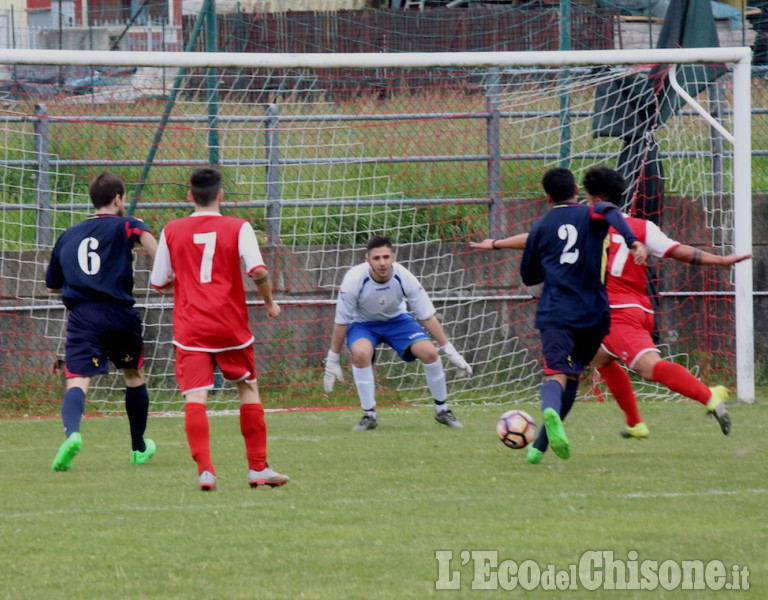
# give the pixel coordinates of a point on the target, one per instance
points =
(140, 458)
(67, 452)
(639, 431)
(534, 455)
(717, 407)
(556, 434)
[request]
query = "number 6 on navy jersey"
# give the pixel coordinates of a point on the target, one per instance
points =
(87, 258)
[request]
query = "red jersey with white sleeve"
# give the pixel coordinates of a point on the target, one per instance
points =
(202, 253)
(626, 281)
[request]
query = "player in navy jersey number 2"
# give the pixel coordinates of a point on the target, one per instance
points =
(92, 267)
(201, 258)
(371, 309)
(566, 251)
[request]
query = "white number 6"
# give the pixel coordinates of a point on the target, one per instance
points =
(89, 261)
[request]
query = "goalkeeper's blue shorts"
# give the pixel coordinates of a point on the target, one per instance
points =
(399, 333)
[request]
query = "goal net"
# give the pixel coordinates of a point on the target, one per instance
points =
(321, 151)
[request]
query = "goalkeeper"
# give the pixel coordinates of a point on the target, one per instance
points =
(371, 309)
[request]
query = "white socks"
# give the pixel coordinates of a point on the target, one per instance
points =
(436, 384)
(366, 388)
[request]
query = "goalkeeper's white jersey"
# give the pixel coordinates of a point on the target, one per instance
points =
(362, 299)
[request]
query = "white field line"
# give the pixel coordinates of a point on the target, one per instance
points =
(126, 508)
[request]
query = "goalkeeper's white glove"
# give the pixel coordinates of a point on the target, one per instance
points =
(465, 369)
(332, 371)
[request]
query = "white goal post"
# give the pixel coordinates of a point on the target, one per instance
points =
(473, 309)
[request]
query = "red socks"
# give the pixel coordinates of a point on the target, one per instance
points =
(254, 430)
(620, 386)
(252, 426)
(679, 379)
(198, 436)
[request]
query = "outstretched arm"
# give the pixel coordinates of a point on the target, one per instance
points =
(515, 242)
(694, 256)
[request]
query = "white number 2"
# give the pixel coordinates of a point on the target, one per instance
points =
(87, 258)
(208, 240)
(569, 234)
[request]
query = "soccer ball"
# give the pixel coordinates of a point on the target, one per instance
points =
(516, 429)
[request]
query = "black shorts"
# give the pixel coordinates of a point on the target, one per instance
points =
(97, 332)
(569, 351)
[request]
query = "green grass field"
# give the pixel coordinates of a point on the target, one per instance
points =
(366, 512)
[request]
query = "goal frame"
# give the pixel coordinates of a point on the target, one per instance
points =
(739, 57)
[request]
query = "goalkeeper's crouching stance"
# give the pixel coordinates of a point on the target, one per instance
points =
(372, 306)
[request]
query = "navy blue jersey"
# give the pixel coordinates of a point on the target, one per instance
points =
(93, 260)
(567, 251)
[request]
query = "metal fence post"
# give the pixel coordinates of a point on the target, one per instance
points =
(716, 109)
(272, 149)
(565, 98)
(43, 189)
(493, 138)
(212, 87)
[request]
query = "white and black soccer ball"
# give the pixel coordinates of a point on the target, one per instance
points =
(516, 429)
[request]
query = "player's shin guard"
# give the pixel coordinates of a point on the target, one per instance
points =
(620, 385)
(541, 442)
(254, 430)
(569, 397)
(365, 385)
(137, 409)
(679, 379)
(551, 395)
(198, 435)
(435, 376)
(72, 410)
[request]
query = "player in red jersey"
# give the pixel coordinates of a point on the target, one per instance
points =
(199, 256)
(630, 338)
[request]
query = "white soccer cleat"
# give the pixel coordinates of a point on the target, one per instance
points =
(266, 476)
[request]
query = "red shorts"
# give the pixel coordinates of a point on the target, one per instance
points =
(630, 335)
(194, 370)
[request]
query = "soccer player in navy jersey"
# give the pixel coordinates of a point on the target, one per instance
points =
(566, 251)
(92, 267)
(372, 308)
(632, 324)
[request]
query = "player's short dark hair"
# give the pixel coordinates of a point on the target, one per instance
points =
(559, 184)
(205, 184)
(104, 188)
(606, 184)
(378, 241)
